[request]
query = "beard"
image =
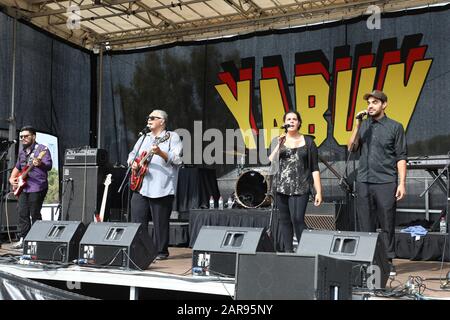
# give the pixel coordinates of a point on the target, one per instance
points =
(27, 145)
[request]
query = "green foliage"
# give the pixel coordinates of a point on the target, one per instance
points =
(53, 187)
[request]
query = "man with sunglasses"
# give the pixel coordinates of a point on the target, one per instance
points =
(37, 157)
(154, 198)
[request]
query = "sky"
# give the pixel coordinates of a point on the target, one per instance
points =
(52, 143)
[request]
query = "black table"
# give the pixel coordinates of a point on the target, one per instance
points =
(255, 218)
(426, 248)
(194, 188)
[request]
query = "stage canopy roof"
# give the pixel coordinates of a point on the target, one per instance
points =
(125, 24)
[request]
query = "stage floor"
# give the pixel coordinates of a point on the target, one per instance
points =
(175, 274)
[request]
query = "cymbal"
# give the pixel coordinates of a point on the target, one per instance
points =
(233, 153)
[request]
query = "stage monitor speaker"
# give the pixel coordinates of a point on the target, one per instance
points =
(365, 250)
(118, 244)
(54, 241)
(215, 249)
(82, 192)
(287, 276)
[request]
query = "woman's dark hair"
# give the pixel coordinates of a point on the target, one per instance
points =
(299, 118)
(29, 129)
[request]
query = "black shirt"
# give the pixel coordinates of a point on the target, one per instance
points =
(382, 144)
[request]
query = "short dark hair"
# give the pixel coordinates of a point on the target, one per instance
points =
(29, 129)
(299, 118)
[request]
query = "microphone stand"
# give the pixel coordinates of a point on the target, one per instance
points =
(343, 183)
(350, 192)
(128, 173)
(4, 181)
(274, 196)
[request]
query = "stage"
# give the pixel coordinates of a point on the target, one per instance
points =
(169, 279)
(424, 248)
(172, 279)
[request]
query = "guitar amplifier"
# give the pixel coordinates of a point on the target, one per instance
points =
(85, 156)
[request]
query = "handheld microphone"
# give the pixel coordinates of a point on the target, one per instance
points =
(144, 131)
(287, 125)
(10, 142)
(361, 115)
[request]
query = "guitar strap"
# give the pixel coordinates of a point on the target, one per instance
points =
(30, 156)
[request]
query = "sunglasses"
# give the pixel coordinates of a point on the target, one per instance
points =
(24, 136)
(153, 118)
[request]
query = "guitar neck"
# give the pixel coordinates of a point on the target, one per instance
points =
(147, 156)
(102, 208)
(27, 170)
(31, 166)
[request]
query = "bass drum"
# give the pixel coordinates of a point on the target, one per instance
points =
(252, 189)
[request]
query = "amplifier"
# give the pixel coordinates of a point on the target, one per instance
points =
(85, 156)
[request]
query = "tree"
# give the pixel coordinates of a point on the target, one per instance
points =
(53, 187)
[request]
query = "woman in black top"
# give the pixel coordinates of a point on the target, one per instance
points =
(297, 168)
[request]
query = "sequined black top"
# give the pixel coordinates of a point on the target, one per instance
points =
(294, 174)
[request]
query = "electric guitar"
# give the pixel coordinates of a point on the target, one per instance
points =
(137, 176)
(23, 175)
(105, 196)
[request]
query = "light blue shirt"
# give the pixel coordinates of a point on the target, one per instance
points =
(161, 177)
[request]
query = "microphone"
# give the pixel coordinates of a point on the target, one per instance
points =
(144, 131)
(361, 115)
(10, 142)
(287, 125)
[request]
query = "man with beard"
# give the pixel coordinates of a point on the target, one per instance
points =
(35, 157)
(381, 178)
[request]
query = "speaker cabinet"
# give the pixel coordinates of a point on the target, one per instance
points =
(329, 216)
(215, 249)
(81, 193)
(365, 250)
(117, 244)
(53, 240)
(287, 276)
(9, 217)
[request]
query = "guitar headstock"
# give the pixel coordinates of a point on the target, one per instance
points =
(108, 180)
(42, 153)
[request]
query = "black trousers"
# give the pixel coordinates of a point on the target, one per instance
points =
(29, 205)
(376, 206)
(291, 217)
(158, 209)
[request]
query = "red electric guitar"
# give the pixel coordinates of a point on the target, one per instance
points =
(137, 176)
(23, 175)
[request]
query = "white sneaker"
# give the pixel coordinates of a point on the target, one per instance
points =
(18, 245)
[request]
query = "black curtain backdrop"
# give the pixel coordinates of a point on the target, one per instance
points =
(52, 85)
(181, 78)
(55, 84)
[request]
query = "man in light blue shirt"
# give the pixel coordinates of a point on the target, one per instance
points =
(155, 196)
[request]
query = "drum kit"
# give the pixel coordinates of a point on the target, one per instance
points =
(252, 189)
